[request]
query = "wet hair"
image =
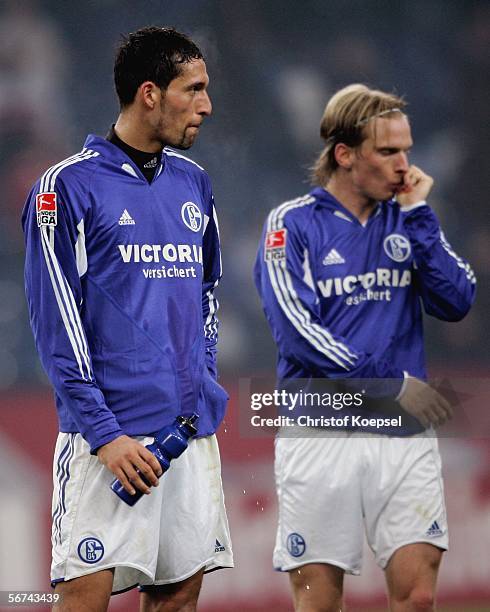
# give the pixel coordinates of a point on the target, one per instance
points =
(150, 54)
(346, 119)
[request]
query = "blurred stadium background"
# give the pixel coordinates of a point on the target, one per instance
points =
(272, 66)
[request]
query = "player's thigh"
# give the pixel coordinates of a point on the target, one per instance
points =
(411, 575)
(403, 495)
(194, 531)
(317, 587)
(177, 597)
(93, 530)
(319, 502)
(90, 593)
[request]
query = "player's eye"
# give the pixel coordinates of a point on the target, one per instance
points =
(387, 151)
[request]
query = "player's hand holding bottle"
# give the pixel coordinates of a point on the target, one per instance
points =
(127, 459)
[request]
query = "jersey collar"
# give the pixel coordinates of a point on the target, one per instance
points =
(339, 210)
(117, 156)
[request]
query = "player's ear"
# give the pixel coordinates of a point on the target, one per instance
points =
(149, 94)
(343, 155)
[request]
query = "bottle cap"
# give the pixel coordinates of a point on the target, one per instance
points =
(188, 423)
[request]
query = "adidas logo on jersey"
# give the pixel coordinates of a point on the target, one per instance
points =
(332, 258)
(126, 219)
(434, 530)
(219, 547)
(151, 164)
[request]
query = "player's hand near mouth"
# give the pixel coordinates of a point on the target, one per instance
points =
(415, 188)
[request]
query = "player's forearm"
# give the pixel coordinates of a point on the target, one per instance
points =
(64, 353)
(88, 409)
(445, 294)
(446, 281)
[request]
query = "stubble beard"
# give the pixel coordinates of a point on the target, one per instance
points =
(186, 141)
(182, 143)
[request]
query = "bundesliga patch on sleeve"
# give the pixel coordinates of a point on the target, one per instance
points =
(46, 209)
(275, 245)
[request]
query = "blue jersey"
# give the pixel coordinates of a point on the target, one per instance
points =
(344, 300)
(118, 271)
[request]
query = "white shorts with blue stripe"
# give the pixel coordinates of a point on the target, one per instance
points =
(165, 537)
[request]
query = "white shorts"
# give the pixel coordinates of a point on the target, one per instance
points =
(165, 537)
(331, 489)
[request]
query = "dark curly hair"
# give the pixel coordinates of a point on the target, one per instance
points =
(150, 54)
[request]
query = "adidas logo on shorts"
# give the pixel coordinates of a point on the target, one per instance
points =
(434, 530)
(219, 547)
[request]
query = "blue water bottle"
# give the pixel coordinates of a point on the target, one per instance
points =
(170, 442)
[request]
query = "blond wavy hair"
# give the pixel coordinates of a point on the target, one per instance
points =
(346, 119)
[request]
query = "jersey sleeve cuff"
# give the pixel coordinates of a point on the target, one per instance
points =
(406, 376)
(96, 444)
(411, 207)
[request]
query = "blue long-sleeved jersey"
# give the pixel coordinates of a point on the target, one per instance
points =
(343, 299)
(105, 252)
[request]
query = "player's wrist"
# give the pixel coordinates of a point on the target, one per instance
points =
(96, 446)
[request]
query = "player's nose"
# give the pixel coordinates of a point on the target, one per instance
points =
(402, 164)
(205, 107)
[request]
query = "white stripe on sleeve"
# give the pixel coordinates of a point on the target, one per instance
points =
(292, 306)
(61, 304)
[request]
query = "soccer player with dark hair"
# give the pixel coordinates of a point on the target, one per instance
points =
(122, 260)
(343, 273)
